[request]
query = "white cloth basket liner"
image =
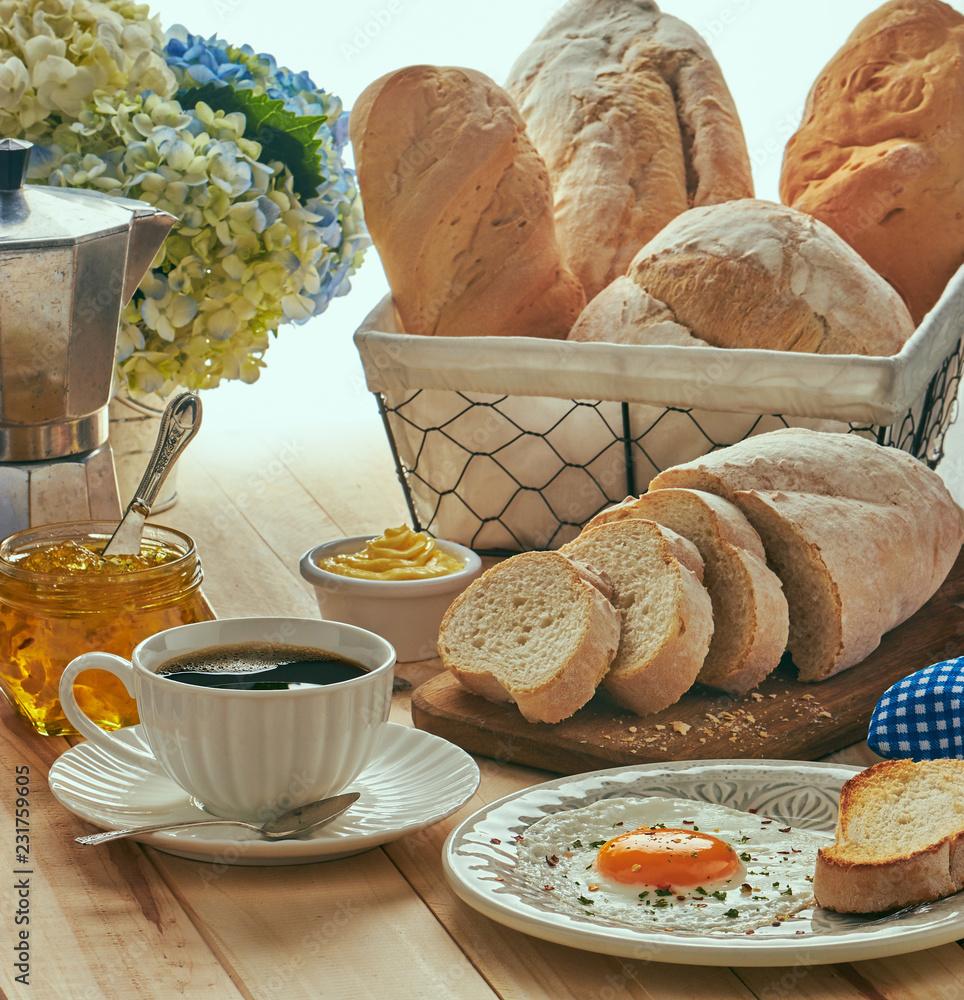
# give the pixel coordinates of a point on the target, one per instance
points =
(513, 443)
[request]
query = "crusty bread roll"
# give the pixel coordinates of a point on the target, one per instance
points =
(667, 616)
(879, 157)
(458, 205)
(750, 274)
(750, 616)
(861, 535)
(899, 838)
(630, 111)
(538, 629)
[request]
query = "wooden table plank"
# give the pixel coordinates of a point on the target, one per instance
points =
(101, 922)
(243, 575)
(325, 931)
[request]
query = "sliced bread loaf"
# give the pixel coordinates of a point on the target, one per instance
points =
(667, 616)
(538, 629)
(861, 535)
(899, 838)
(750, 613)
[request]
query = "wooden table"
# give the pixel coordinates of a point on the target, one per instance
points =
(127, 921)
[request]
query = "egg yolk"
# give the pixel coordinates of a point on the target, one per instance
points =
(664, 857)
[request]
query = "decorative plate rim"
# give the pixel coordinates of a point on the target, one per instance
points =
(479, 856)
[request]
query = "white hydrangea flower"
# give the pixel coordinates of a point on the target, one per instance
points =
(97, 86)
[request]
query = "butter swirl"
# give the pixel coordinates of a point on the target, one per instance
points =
(398, 554)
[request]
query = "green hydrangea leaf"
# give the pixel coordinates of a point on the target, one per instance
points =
(282, 134)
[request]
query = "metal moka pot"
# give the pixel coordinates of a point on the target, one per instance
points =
(70, 260)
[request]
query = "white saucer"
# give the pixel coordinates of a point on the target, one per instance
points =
(414, 780)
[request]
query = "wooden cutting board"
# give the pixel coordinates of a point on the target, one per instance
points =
(782, 719)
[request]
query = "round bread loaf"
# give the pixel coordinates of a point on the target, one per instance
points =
(632, 115)
(750, 274)
(458, 205)
(879, 155)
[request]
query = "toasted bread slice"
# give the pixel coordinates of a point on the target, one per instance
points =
(667, 616)
(899, 839)
(750, 615)
(537, 629)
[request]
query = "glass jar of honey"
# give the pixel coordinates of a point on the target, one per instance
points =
(59, 598)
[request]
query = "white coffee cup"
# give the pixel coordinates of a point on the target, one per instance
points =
(248, 754)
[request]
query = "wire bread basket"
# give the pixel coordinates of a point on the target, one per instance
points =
(510, 444)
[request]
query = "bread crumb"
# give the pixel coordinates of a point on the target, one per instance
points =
(713, 718)
(808, 697)
(825, 715)
(682, 727)
(633, 729)
(658, 726)
(756, 696)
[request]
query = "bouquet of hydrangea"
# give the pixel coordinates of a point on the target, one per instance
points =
(246, 154)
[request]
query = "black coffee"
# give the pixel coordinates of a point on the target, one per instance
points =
(263, 666)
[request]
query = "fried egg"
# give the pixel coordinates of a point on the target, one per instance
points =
(676, 864)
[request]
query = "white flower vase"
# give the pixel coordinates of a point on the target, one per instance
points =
(133, 432)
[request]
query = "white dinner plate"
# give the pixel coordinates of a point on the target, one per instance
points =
(413, 780)
(480, 862)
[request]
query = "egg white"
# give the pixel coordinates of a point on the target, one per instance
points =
(557, 855)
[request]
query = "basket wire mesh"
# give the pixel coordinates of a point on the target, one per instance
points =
(920, 431)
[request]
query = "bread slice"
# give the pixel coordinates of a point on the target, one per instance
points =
(861, 535)
(750, 614)
(537, 629)
(667, 616)
(899, 838)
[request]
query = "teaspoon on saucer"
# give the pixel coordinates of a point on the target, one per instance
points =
(292, 823)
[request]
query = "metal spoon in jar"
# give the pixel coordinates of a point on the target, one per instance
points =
(292, 823)
(179, 423)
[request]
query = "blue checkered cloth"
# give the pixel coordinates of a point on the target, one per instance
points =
(921, 716)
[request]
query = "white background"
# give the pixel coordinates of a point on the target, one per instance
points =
(770, 52)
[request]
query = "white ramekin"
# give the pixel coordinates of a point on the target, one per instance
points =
(405, 612)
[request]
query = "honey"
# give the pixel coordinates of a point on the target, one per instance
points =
(398, 554)
(59, 598)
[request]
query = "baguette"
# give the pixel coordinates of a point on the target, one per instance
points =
(537, 629)
(458, 205)
(899, 838)
(750, 612)
(667, 615)
(632, 115)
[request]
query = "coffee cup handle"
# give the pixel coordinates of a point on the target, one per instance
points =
(124, 672)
